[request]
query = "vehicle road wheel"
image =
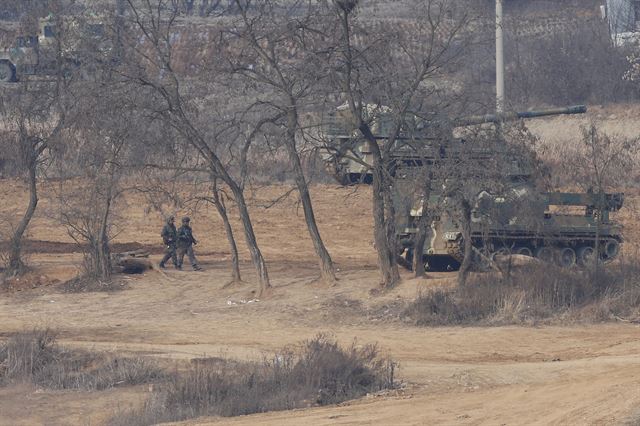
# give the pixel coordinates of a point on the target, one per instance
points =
(611, 249)
(566, 257)
(586, 256)
(7, 72)
(544, 253)
(523, 251)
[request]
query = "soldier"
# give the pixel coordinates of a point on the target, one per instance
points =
(170, 238)
(185, 244)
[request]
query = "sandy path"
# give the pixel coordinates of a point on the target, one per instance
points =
(464, 375)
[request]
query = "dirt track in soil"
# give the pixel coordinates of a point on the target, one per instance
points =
(574, 374)
(579, 374)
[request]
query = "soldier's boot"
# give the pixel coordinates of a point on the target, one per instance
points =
(162, 265)
(197, 268)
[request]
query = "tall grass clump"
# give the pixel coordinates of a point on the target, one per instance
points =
(35, 357)
(533, 293)
(318, 372)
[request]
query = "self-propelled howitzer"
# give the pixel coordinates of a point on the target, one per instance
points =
(509, 213)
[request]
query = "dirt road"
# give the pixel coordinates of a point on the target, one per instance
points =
(579, 374)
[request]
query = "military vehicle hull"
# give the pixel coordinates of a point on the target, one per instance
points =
(37, 55)
(566, 241)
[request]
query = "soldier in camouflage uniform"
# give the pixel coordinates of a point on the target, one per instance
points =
(186, 240)
(170, 239)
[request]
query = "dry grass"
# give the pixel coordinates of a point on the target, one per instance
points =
(318, 372)
(534, 293)
(35, 357)
(85, 283)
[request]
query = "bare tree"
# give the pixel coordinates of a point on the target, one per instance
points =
(282, 60)
(170, 182)
(171, 99)
(389, 76)
(32, 120)
(218, 200)
(86, 209)
(99, 148)
(600, 163)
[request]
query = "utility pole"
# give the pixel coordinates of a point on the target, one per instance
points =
(499, 59)
(119, 24)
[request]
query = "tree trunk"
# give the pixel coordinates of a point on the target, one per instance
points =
(385, 246)
(15, 254)
(327, 269)
(421, 236)
(218, 169)
(103, 253)
(418, 246)
(596, 249)
(218, 202)
(386, 254)
(390, 219)
(465, 267)
(250, 237)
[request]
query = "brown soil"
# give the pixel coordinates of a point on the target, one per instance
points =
(574, 374)
(503, 375)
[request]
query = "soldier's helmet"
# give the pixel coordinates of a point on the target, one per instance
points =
(170, 218)
(186, 219)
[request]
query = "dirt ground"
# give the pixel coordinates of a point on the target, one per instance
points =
(566, 375)
(578, 374)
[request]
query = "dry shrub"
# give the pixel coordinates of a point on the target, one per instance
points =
(535, 292)
(88, 284)
(575, 66)
(634, 419)
(318, 372)
(35, 357)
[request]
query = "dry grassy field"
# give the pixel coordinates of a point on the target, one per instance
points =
(564, 373)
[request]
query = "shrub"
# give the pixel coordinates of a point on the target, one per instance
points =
(318, 372)
(533, 293)
(86, 284)
(574, 66)
(35, 357)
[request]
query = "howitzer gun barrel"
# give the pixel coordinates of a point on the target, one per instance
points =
(513, 116)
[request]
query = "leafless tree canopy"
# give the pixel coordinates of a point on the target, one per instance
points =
(157, 96)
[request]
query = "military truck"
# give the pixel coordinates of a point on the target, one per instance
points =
(32, 55)
(512, 217)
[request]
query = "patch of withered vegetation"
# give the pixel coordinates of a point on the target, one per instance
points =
(28, 281)
(536, 293)
(35, 357)
(388, 311)
(633, 420)
(317, 372)
(89, 284)
(342, 307)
